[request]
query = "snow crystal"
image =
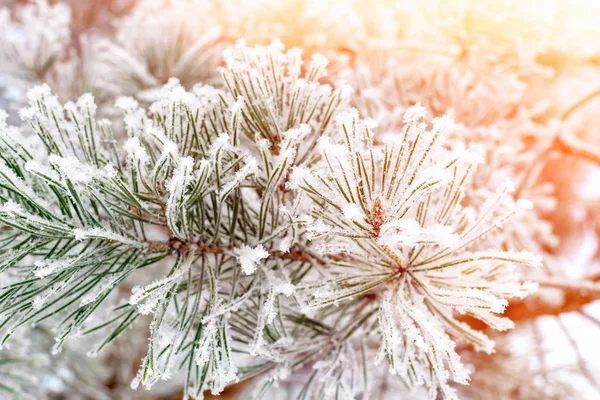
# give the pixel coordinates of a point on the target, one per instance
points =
(109, 171)
(317, 229)
(126, 103)
(508, 186)
(328, 146)
(347, 117)
(352, 212)
(72, 169)
(48, 267)
(170, 149)
(134, 148)
(3, 119)
(86, 102)
(222, 141)
(10, 207)
(297, 177)
(70, 107)
(237, 105)
(371, 123)
(285, 244)
(345, 90)
(39, 93)
(524, 204)
(443, 125)
(35, 167)
(297, 134)
(249, 258)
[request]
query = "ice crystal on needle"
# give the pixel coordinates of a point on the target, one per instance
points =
(250, 257)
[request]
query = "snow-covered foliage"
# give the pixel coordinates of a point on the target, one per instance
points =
(158, 40)
(286, 226)
(395, 210)
(487, 103)
(35, 48)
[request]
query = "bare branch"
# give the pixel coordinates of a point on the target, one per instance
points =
(580, 103)
(573, 146)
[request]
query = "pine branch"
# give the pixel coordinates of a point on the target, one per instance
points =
(577, 293)
(281, 232)
(297, 254)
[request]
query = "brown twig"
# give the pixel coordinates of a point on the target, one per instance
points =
(581, 102)
(576, 295)
(295, 254)
(583, 287)
(573, 146)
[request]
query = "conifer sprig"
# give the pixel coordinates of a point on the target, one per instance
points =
(284, 232)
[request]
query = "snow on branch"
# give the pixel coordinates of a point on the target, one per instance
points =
(278, 223)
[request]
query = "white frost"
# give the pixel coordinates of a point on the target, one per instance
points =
(249, 258)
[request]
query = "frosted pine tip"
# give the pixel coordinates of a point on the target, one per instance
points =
(537, 260)
(70, 107)
(135, 150)
(327, 145)
(443, 124)
(414, 113)
(86, 102)
(371, 124)
(126, 103)
(38, 93)
(275, 46)
(348, 117)
(27, 113)
(524, 204)
(170, 149)
(104, 123)
(509, 186)
(345, 90)
(221, 141)
(172, 85)
(319, 60)
(400, 267)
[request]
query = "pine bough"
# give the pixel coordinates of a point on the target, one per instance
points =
(289, 235)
